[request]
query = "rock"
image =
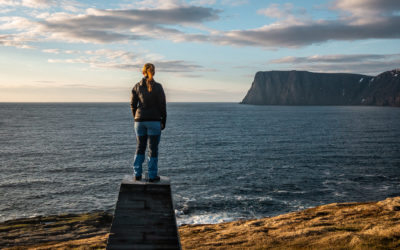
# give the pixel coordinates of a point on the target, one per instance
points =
(308, 88)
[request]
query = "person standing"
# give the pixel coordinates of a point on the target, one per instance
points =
(149, 111)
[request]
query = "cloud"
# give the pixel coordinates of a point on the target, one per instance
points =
(125, 60)
(286, 11)
(69, 5)
(15, 41)
(294, 30)
(16, 23)
(171, 66)
(178, 15)
(28, 3)
(38, 3)
(205, 2)
(112, 54)
(155, 4)
(334, 58)
(108, 26)
(370, 64)
(366, 9)
(51, 51)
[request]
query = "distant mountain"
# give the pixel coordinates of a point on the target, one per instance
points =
(308, 88)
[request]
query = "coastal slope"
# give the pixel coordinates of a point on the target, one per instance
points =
(370, 225)
(367, 225)
(308, 88)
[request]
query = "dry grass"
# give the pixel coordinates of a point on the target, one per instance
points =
(372, 225)
(69, 231)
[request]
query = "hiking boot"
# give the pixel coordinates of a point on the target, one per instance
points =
(155, 179)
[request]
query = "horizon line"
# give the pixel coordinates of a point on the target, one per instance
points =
(117, 102)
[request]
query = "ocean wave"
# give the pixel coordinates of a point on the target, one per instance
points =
(211, 218)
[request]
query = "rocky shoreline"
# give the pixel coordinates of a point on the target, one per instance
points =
(371, 225)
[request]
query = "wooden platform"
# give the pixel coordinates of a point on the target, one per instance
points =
(144, 217)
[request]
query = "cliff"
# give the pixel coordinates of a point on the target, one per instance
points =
(367, 225)
(308, 88)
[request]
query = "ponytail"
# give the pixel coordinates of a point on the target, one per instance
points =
(149, 71)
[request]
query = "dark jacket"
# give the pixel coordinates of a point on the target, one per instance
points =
(148, 106)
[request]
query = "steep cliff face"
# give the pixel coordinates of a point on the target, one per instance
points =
(307, 88)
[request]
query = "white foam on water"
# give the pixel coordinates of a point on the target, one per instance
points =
(33, 215)
(241, 198)
(265, 198)
(295, 204)
(215, 196)
(15, 216)
(338, 194)
(384, 187)
(211, 218)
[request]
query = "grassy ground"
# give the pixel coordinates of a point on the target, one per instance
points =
(372, 225)
(69, 231)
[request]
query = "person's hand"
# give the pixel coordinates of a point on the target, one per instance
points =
(162, 126)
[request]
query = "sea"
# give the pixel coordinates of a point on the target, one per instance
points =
(226, 161)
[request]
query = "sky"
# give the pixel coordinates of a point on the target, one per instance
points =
(203, 50)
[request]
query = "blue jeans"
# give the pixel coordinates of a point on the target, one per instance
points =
(150, 132)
